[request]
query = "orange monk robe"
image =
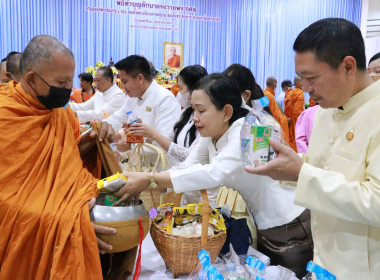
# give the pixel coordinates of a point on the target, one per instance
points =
(269, 90)
(175, 89)
(294, 106)
(79, 97)
(175, 61)
(312, 102)
(45, 226)
(278, 115)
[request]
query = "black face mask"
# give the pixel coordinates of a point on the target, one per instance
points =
(57, 97)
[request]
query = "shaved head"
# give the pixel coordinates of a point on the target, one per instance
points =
(3, 71)
(297, 80)
(38, 53)
(271, 81)
(13, 66)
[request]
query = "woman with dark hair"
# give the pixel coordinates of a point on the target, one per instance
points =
(86, 91)
(215, 161)
(248, 87)
(250, 90)
(184, 133)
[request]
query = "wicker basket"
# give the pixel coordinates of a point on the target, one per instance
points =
(181, 253)
(139, 162)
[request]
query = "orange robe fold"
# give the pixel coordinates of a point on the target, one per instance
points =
(312, 102)
(78, 97)
(175, 89)
(294, 106)
(277, 114)
(46, 232)
(175, 61)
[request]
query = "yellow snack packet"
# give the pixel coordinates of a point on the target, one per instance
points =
(112, 183)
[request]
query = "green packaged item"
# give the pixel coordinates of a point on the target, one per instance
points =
(261, 146)
(110, 199)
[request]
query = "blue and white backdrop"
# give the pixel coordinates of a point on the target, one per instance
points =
(256, 33)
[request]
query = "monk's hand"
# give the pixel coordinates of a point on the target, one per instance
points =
(286, 166)
(106, 132)
(136, 183)
(101, 230)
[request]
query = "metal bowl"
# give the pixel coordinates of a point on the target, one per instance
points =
(115, 214)
(125, 220)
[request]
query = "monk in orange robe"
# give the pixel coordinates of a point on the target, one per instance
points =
(269, 92)
(294, 106)
(175, 60)
(45, 226)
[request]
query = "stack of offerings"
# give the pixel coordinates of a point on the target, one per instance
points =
(258, 127)
(187, 221)
(179, 233)
(131, 222)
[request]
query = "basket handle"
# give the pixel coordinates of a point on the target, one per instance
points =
(205, 215)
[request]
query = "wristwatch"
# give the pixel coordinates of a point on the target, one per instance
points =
(153, 184)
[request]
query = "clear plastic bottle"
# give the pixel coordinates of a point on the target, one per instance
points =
(130, 137)
(132, 118)
(246, 150)
(255, 267)
(230, 273)
(258, 127)
(320, 273)
(202, 275)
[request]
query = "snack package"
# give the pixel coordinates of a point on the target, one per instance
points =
(110, 199)
(258, 128)
(112, 183)
(164, 218)
(192, 212)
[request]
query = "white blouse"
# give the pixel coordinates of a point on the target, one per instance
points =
(180, 150)
(210, 165)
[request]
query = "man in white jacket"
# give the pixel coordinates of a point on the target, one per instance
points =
(152, 103)
(339, 179)
(105, 102)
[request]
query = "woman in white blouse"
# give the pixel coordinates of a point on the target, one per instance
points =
(184, 135)
(215, 160)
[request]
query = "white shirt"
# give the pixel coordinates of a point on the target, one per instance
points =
(280, 100)
(210, 165)
(340, 184)
(157, 108)
(100, 104)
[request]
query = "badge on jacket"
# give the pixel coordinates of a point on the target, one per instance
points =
(148, 109)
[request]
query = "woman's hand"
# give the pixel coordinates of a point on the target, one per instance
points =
(122, 146)
(136, 183)
(142, 129)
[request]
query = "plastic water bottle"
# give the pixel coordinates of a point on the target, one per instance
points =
(230, 273)
(202, 275)
(255, 267)
(132, 118)
(258, 127)
(320, 273)
(246, 140)
(130, 137)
